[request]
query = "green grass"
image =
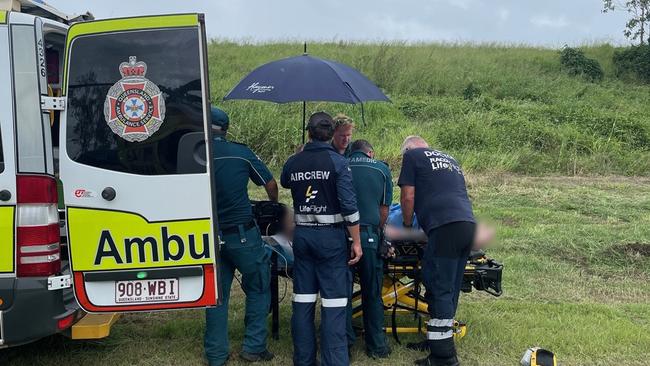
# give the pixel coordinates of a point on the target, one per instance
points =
(496, 108)
(577, 281)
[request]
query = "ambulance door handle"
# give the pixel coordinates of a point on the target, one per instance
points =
(108, 193)
(5, 195)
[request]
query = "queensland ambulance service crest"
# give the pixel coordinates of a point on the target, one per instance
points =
(134, 108)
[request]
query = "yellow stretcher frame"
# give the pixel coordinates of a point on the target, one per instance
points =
(395, 292)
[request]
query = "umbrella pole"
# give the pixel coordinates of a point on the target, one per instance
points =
(304, 114)
(304, 105)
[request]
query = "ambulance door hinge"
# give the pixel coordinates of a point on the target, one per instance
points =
(52, 103)
(59, 282)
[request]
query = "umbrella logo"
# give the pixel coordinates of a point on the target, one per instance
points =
(134, 108)
(257, 88)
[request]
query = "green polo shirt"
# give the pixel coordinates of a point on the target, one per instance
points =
(234, 165)
(373, 185)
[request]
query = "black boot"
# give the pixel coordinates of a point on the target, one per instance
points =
(434, 361)
(442, 353)
(419, 346)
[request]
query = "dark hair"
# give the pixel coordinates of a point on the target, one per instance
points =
(320, 127)
(361, 145)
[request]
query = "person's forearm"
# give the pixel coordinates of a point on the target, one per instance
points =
(383, 215)
(407, 200)
(354, 233)
(272, 190)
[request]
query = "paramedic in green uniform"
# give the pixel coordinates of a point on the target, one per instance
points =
(373, 186)
(241, 246)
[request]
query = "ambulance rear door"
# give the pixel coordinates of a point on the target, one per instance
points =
(141, 227)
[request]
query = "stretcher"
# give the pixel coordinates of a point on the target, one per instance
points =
(402, 291)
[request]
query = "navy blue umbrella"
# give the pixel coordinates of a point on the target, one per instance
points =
(306, 78)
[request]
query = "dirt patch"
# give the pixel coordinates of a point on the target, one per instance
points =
(510, 221)
(635, 250)
(628, 252)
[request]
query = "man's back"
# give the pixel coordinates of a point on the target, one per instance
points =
(440, 192)
(324, 202)
(315, 177)
(235, 164)
(372, 184)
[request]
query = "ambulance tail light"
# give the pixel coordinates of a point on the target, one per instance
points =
(37, 226)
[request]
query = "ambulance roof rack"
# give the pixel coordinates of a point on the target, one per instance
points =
(42, 9)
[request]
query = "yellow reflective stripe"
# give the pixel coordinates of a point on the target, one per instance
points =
(7, 239)
(3, 17)
(125, 24)
(112, 240)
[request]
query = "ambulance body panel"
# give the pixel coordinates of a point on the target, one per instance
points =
(31, 255)
(103, 106)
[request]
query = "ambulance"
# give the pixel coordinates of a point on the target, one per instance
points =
(108, 121)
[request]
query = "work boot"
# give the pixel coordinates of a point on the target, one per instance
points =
(213, 363)
(434, 361)
(419, 346)
(256, 357)
(443, 353)
(385, 353)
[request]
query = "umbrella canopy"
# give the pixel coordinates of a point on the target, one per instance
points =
(306, 78)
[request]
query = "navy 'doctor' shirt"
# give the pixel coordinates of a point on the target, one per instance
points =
(440, 192)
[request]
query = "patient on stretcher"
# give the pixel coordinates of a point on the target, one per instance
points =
(396, 231)
(281, 242)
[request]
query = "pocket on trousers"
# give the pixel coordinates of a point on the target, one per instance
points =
(259, 280)
(369, 241)
(334, 242)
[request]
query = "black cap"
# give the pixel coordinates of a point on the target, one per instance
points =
(321, 126)
(320, 119)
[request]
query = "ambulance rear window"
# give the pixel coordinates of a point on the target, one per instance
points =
(131, 97)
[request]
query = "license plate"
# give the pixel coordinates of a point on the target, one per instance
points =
(137, 291)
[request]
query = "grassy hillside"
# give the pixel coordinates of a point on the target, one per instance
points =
(495, 108)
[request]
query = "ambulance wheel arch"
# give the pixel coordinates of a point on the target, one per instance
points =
(140, 230)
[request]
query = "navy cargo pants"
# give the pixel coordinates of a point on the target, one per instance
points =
(371, 275)
(321, 256)
(443, 267)
(245, 252)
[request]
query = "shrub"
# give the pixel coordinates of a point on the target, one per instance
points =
(576, 63)
(471, 92)
(633, 62)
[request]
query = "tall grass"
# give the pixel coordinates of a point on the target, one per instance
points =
(496, 108)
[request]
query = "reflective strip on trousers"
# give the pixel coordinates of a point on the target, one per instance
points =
(335, 303)
(441, 322)
(434, 336)
(304, 298)
(319, 219)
